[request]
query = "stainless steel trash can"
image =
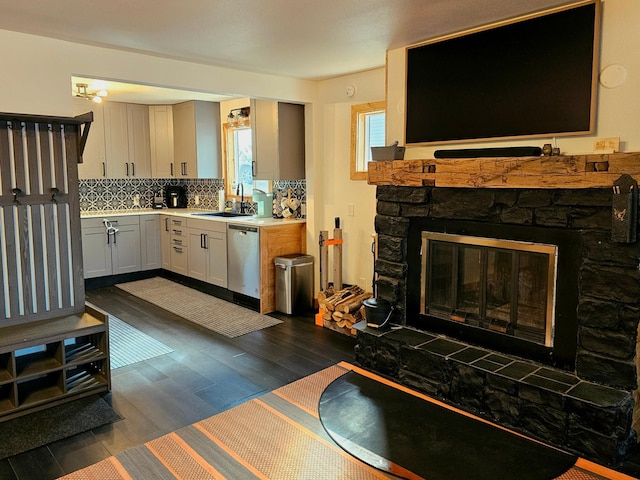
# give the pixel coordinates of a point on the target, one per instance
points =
(294, 283)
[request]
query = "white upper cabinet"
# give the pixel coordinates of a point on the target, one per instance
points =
(138, 134)
(126, 131)
(161, 141)
(278, 140)
(93, 159)
(196, 140)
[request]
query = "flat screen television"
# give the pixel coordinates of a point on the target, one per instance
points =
(533, 77)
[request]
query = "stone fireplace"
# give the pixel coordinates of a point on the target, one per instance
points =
(559, 367)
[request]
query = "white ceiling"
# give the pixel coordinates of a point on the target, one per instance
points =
(306, 39)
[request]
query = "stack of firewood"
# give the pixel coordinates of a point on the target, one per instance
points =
(341, 309)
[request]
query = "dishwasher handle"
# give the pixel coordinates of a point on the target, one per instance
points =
(242, 228)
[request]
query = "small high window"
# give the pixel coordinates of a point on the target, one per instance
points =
(367, 130)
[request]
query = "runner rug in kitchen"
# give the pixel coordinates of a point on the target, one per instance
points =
(218, 315)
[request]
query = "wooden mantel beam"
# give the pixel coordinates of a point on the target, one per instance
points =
(564, 171)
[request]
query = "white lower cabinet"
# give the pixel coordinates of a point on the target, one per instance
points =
(208, 251)
(110, 251)
(195, 248)
(165, 241)
(150, 248)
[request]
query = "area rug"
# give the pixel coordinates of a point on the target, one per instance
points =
(36, 429)
(375, 421)
(128, 345)
(276, 436)
(222, 317)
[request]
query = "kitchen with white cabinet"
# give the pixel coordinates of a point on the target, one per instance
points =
(124, 238)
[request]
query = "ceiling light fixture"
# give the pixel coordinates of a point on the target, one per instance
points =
(238, 116)
(81, 91)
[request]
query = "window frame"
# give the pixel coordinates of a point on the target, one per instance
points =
(357, 126)
(228, 167)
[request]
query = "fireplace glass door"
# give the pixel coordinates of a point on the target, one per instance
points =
(500, 285)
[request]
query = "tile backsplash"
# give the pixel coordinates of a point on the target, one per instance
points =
(105, 194)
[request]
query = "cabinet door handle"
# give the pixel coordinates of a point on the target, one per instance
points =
(171, 169)
(253, 168)
(133, 169)
(109, 233)
(104, 169)
(127, 165)
(177, 249)
(177, 232)
(166, 224)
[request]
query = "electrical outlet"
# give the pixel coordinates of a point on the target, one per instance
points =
(136, 200)
(197, 200)
(350, 209)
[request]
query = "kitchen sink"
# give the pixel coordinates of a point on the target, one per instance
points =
(223, 214)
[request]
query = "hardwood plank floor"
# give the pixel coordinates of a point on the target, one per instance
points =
(207, 373)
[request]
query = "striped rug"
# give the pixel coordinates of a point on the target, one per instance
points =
(128, 345)
(218, 315)
(276, 436)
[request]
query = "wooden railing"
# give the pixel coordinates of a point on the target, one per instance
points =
(564, 171)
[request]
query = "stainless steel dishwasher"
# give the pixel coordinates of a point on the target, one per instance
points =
(243, 259)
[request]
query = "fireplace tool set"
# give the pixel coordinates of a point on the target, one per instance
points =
(377, 311)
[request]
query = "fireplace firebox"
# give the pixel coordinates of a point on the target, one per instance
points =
(506, 287)
(503, 286)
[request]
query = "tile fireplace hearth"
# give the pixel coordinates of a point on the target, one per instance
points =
(573, 389)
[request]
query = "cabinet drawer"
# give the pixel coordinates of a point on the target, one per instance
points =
(177, 222)
(179, 259)
(178, 228)
(179, 241)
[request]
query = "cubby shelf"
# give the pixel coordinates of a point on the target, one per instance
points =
(51, 361)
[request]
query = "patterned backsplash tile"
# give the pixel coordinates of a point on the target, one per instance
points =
(104, 194)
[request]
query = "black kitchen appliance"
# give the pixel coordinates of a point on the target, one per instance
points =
(175, 196)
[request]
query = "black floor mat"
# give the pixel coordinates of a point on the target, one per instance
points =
(371, 420)
(46, 426)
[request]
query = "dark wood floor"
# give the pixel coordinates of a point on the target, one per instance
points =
(206, 374)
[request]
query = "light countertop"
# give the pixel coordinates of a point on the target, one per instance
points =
(194, 213)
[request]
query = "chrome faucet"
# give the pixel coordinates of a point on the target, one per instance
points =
(240, 191)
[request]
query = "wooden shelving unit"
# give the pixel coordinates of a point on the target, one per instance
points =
(53, 347)
(48, 362)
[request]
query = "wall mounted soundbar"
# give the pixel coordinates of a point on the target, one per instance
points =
(489, 152)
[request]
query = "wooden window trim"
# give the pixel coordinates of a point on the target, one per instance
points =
(356, 110)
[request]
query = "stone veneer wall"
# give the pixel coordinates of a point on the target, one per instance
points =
(608, 305)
